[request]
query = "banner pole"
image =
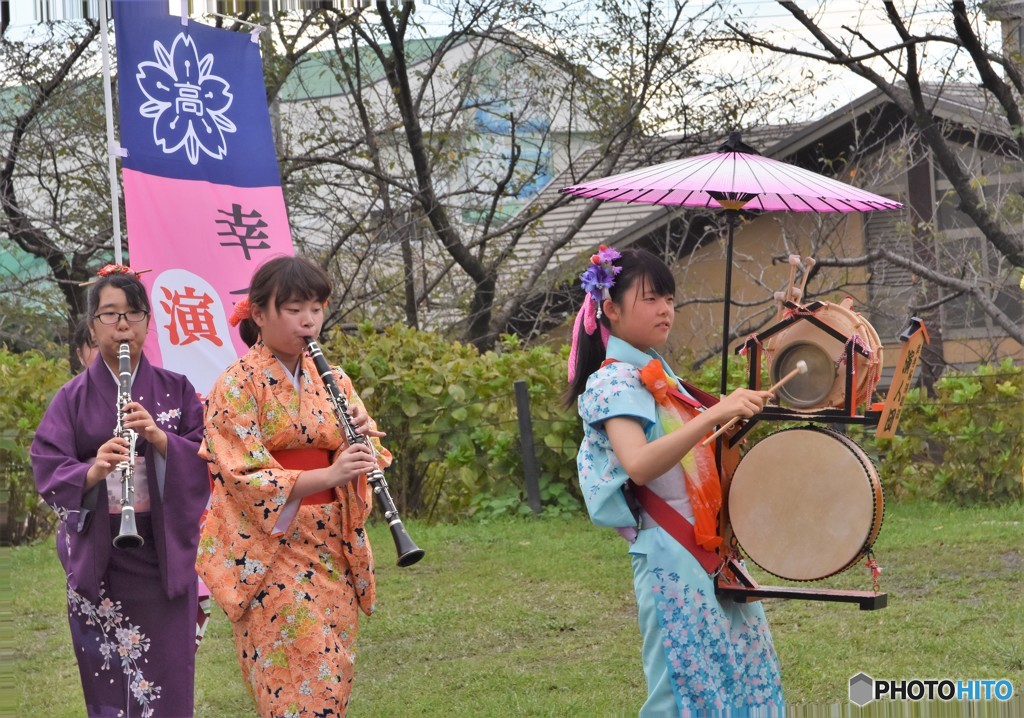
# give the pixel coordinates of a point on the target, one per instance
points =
(113, 150)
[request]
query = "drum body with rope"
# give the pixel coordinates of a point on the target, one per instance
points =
(824, 383)
(805, 503)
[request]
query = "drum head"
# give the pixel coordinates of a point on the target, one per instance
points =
(805, 503)
(809, 389)
(824, 384)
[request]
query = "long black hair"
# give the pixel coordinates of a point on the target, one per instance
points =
(637, 265)
(283, 279)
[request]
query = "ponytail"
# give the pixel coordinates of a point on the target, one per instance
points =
(249, 331)
(588, 358)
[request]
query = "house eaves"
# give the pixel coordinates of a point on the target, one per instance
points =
(970, 106)
(817, 131)
(960, 103)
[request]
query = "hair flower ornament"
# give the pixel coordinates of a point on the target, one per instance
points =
(599, 277)
(115, 269)
(112, 269)
(241, 311)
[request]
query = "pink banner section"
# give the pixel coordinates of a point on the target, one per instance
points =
(202, 243)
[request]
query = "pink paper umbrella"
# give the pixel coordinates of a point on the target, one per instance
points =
(733, 178)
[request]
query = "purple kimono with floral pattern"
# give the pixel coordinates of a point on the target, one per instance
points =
(131, 612)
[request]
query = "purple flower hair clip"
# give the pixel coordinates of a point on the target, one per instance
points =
(600, 275)
(597, 280)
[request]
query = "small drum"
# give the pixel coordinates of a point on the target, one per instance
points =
(805, 503)
(824, 383)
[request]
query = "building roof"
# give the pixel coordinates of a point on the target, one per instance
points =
(619, 224)
(1003, 9)
(315, 75)
(962, 103)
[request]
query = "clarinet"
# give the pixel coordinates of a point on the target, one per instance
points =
(128, 536)
(408, 552)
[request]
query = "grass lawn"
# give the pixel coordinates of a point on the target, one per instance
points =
(537, 618)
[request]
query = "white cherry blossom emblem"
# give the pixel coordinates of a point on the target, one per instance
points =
(186, 101)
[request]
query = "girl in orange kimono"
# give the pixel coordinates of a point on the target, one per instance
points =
(284, 549)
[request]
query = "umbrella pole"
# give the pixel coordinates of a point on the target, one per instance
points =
(731, 217)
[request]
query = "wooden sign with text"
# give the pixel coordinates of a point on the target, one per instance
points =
(914, 339)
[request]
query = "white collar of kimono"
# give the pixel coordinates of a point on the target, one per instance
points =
(625, 352)
(288, 373)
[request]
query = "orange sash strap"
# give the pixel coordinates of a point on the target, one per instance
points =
(705, 493)
(304, 460)
(703, 486)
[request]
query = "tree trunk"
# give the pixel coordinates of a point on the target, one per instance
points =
(921, 206)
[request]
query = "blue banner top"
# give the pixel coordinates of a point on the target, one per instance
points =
(192, 99)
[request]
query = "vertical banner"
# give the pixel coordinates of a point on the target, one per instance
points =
(202, 188)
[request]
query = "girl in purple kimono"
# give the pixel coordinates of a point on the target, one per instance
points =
(131, 611)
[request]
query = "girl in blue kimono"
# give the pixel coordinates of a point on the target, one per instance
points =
(643, 429)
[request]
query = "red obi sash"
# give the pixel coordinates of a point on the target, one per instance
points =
(304, 460)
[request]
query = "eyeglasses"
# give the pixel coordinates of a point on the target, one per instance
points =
(132, 315)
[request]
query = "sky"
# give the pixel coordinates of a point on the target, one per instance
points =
(768, 18)
(764, 17)
(834, 16)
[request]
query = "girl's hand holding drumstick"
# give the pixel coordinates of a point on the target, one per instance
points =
(801, 368)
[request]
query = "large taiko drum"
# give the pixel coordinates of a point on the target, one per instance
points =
(805, 503)
(824, 383)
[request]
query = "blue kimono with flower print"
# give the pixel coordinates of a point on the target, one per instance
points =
(702, 656)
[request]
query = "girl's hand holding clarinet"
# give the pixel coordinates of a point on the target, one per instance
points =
(349, 463)
(361, 422)
(357, 459)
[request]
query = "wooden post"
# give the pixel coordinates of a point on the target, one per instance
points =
(530, 473)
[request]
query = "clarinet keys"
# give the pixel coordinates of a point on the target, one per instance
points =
(128, 535)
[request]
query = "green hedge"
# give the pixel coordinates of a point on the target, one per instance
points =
(450, 415)
(965, 445)
(28, 381)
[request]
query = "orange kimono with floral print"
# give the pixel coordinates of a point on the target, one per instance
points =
(292, 595)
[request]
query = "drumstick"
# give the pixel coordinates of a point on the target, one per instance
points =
(794, 261)
(807, 273)
(780, 299)
(801, 368)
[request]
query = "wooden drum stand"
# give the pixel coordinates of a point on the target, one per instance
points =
(844, 516)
